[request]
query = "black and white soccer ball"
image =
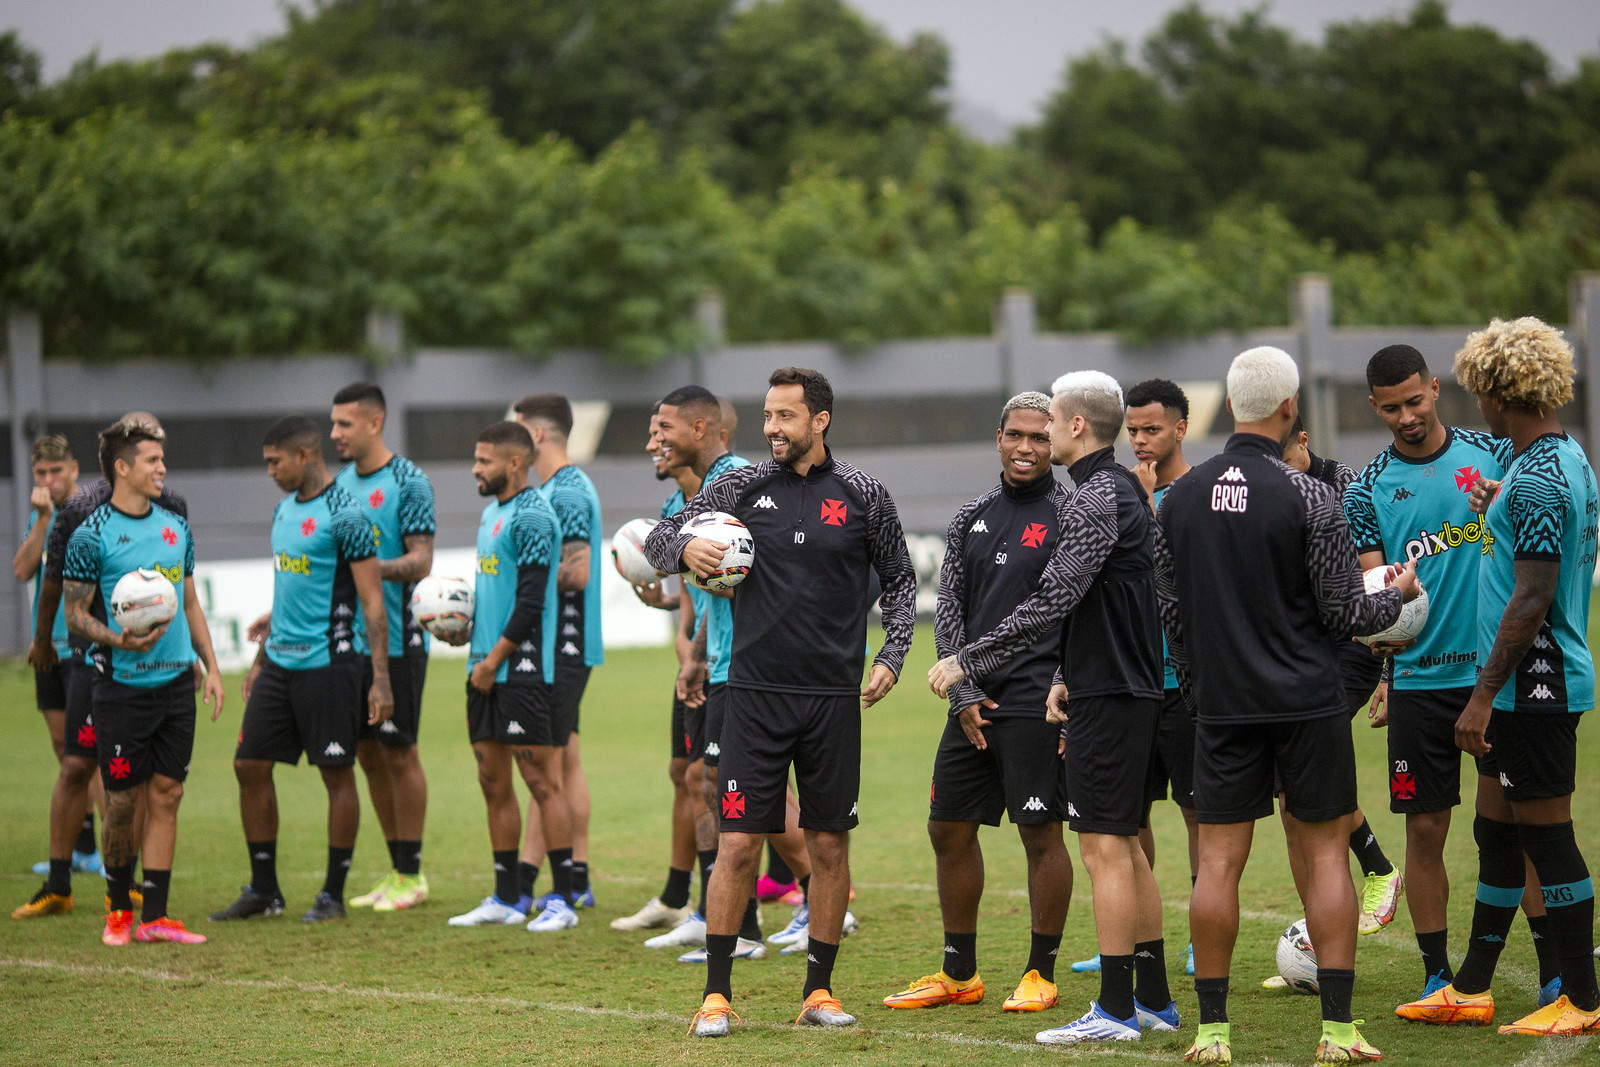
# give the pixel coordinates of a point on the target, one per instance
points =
(443, 606)
(1297, 960)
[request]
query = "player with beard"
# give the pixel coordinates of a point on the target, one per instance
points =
(1535, 677)
(998, 750)
(511, 715)
(1258, 579)
(671, 906)
(1099, 588)
(820, 527)
(143, 702)
(55, 478)
(548, 419)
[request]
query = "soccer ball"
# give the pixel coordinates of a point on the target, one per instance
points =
(142, 600)
(1297, 960)
(1413, 616)
(443, 606)
(736, 560)
(627, 552)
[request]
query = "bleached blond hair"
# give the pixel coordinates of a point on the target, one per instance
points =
(1524, 363)
(1259, 379)
(1096, 396)
(1029, 401)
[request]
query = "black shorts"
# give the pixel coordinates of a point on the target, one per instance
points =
(1424, 762)
(680, 729)
(571, 681)
(764, 732)
(80, 732)
(1239, 766)
(1359, 672)
(1019, 773)
(407, 676)
(703, 725)
(513, 713)
(50, 687)
(317, 711)
(143, 732)
(1172, 756)
(1109, 739)
(1534, 755)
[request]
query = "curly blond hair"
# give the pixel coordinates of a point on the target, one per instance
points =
(1524, 363)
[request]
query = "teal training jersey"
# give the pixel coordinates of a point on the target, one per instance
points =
(1546, 510)
(397, 499)
(111, 543)
(316, 614)
(698, 597)
(519, 545)
(719, 620)
(58, 629)
(1169, 677)
(577, 505)
(1416, 509)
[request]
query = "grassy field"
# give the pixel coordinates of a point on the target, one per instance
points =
(405, 988)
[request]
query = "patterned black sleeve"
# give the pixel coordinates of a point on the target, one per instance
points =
(896, 573)
(1088, 534)
(1342, 600)
(949, 614)
(664, 547)
(77, 507)
(1167, 602)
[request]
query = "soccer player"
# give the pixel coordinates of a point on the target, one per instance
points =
(1099, 587)
(998, 751)
(397, 499)
(671, 906)
(143, 702)
(72, 842)
(1257, 578)
(306, 691)
(511, 661)
(1413, 502)
(1535, 677)
(548, 419)
(820, 526)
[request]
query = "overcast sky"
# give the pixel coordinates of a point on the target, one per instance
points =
(1008, 54)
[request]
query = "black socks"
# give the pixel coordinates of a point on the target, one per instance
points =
(1501, 876)
(750, 928)
(1150, 975)
(527, 875)
(407, 857)
(264, 867)
(156, 884)
(580, 879)
(86, 842)
(1116, 986)
(505, 876)
(1368, 853)
(561, 872)
(338, 868)
(675, 894)
(960, 955)
(778, 870)
(1213, 994)
(1569, 906)
(1435, 950)
(1545, 947)
(708, 860)
(59, 880)
(819, 966)
(1337, 988)
(1042, 956)
(119, 880)
(719, 963)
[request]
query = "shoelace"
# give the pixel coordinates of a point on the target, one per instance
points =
(714, 1013)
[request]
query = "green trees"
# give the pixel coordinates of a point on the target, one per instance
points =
(575, 173)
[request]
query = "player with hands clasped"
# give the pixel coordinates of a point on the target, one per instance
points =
(794, 687)
(144, 687)
(998, 753)
(1099, 588)
(1536, 677)
(304, 692)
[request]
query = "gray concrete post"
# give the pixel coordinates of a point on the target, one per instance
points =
(1311, 311)
(711, 317)
(386, 346)
(1583, 332)
(1017, 323)
(25, 372)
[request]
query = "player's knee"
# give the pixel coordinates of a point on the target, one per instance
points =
(77, 772)
(1041, 841)
(950, 838)
(165, 794)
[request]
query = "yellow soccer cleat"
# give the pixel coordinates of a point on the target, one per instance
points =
(1559, 1019)
(1343, 1043)
(937, 990)
(44, 903)
(406, 892)
(370, 898)
(1380, 901)
(1212, 1045)
(1033, 994)
(1447, 1007)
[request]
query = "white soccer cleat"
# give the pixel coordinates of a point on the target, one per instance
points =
(799, 945)
(687, 934)
(490, 913)
(850, 926)
(822, 1008)
(1093, 1025)
(652, 916)
(796, 928)
(557, 915)
(745, 949)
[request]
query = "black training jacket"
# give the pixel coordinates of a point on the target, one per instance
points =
(995, 553)
(800, 616)
(1099, 586)
(1258, 578)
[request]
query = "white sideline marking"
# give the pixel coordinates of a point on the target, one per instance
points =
(423, 996)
